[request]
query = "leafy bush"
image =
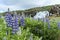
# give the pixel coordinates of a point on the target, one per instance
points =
(40, 28)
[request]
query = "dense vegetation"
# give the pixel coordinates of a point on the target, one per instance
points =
(33, 29)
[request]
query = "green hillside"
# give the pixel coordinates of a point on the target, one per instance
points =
(36, 9)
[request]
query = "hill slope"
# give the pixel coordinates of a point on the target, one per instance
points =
(36, 9)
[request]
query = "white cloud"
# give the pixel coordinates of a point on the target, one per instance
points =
(12, 7)
(55, 1)
(25, 4)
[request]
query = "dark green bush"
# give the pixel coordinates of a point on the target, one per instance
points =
(40, 28)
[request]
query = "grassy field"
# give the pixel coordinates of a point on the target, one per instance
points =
(56, 19)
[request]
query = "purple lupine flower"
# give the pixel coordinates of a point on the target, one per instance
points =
(18, 16)
(58, 25)
(15, 25)
(14, 30)
(47, 21)
(13, 22)
(22, 21)
(8, 18)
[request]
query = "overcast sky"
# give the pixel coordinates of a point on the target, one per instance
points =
(25, 4)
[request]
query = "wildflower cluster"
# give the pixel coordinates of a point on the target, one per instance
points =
(12, 21)
(8, 18)
(22, 22)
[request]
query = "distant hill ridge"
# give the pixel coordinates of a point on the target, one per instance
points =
(36, 9)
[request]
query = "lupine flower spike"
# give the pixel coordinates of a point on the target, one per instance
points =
(15, 24)
(58, 25)
(22, 22)
(48, 22)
